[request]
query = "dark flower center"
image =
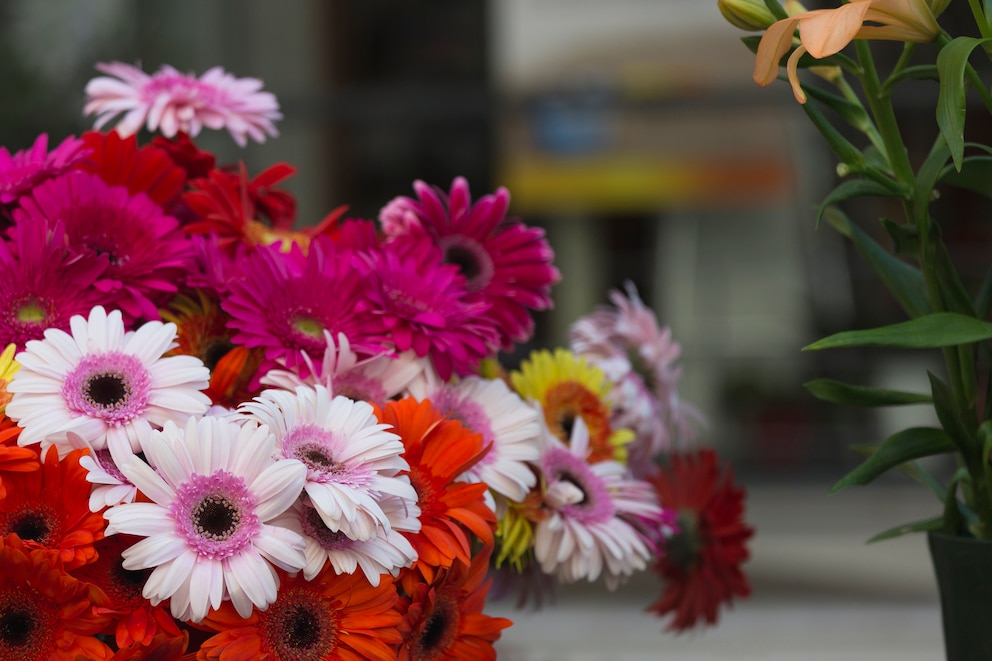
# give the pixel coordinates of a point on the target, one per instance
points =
(32, 525)
(317, 457)
(215, 350)
(128, 581)
(314, 527)
(16, 627)
(567, 422)
(684, 547)
(216, 517)
(439, 630)
(107, 390)
(300, 626)
(465, 260)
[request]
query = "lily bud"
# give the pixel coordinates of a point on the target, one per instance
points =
(751, 15)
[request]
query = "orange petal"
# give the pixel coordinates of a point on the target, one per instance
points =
(826, 31)
(775, 43)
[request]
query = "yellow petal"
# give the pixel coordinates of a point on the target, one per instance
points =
(825, 32)
(775, 42)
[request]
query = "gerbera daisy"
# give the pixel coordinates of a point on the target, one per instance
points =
(147, 253)
(194, 161)
(328, 618)
(8, 366)
(701, 565)
(105, 384)
(27, 168)
(641, 358)
(116, 595)
(439, 450)
(14, 459)
(509, 429)
(285, 302)
(444, 619)
(163, 647)
(505, 263)
(568, 389)
(422, 307)
(118, 161)
(110, 487)
(587, 532)
(47, 509)
(46, 614)
(44, 284)
(214, 489)
(170, 102)
(352, 460)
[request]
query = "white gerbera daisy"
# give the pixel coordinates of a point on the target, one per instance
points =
(352, 460)
(508, 425)
(104, 384)
(110, 487)
(214, 487)
(586, 534)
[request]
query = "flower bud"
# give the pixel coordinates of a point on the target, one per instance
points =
(750, 15)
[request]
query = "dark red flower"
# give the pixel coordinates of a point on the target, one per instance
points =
(701, 565)
(120, 162)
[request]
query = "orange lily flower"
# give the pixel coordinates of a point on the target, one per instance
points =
(824, 32)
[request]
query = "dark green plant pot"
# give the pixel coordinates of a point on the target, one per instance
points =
(963, 566)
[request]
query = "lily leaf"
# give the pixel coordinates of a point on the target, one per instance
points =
(974, 175)
(937, 330)
(903, 446)
(857, 188)
(951, 63)
(924, 525)
(829, 390)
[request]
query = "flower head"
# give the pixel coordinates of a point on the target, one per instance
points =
(27, 168)
(119, 161)
(170, 102)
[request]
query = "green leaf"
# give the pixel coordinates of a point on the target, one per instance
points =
(840, 145)
(829, 390)
(924, 525)
(851, 112)
(945, 406)
(951, 62)
(940, 329)
(954, 520)
(903, 446)
(905, 239)
(975, 175)
(857, 188)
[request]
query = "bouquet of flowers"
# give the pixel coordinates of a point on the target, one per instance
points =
(222, 437)
(855, 75)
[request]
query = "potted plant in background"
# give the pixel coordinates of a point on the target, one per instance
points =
(847, 90)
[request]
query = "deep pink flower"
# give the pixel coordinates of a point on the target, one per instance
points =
(170, 102)
(146, 250)
(28, 167)
(506, 264)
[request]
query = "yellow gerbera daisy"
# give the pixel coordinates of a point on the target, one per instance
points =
(8, 366)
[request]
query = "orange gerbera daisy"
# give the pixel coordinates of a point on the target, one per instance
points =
(333, 617)
(162, 648)
(49, 509)
(439, 450)
(116, 593)
(14, 459)
(45, 614)
(444, 620)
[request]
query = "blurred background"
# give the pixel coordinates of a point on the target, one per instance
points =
(630, 130)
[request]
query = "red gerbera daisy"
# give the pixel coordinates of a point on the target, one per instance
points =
(505, 263)
(701, 564)
(444, 619)
(333, 617)
(184, 153)
(439, 450)
(162, 648)
(14, 459)
(49, 509)
(147, 252)
(45, 614)
(120, 162)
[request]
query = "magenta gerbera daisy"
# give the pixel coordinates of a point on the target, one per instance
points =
(506, 264)
(170, 102)
(104, 384)
(286, 301)
(146, 250)
(423, 306)
(28, 167)
(44, 284)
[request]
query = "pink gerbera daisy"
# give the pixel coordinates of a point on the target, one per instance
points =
(146, 250)
(423, 307)
(170, 102)
(505, 263)
(44, 284)
(28, 167)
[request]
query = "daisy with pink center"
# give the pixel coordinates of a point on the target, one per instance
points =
(25, 169)
(588, 530)
(422, 306)
(506, 264)
(106, 385)
(352, 460)
(213, 488)
(172, 102)
(146, 251)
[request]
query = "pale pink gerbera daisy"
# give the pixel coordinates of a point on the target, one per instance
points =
(422, 306)
(641, 358)
(505, 263)
(104, 384)
(110, 487)
(213, 488)
(509, 428)
(352, 460)
(170, 102)
(29, 167)
(146, 250)
(590, 508)
(44, 284)
(377, 378)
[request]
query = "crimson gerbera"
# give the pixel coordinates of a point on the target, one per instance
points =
(146, 250)
(506, 264)
(120, 162)
(701, 563)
